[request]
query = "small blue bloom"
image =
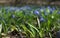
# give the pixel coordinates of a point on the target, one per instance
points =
(25, 8)
(17, 10)
(42, 19)
(36, 12)
(49, 7)
(54, 8)
(11, 9)
(13, 16)
(51, 10)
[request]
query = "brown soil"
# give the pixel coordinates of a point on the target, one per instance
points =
(14, 34)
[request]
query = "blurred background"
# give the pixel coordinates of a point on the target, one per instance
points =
(29, 2)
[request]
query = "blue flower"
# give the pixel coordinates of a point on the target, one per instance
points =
(42, 19)
(11, 9)
(13, 16)
(36, 12)
(49, 7)
(54, 8)
(25, 8)
(51, 11)
(17, 10)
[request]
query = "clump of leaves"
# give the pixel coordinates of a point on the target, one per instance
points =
(35, 23)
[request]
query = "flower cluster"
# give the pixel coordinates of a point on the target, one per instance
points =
(47, 10)
(30, 20)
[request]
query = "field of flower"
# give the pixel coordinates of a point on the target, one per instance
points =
(32, 21)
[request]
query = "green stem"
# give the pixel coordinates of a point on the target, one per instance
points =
(38, 22)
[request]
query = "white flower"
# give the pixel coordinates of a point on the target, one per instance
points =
(52, 17)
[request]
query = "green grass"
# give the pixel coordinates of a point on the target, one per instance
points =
(29, 23)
